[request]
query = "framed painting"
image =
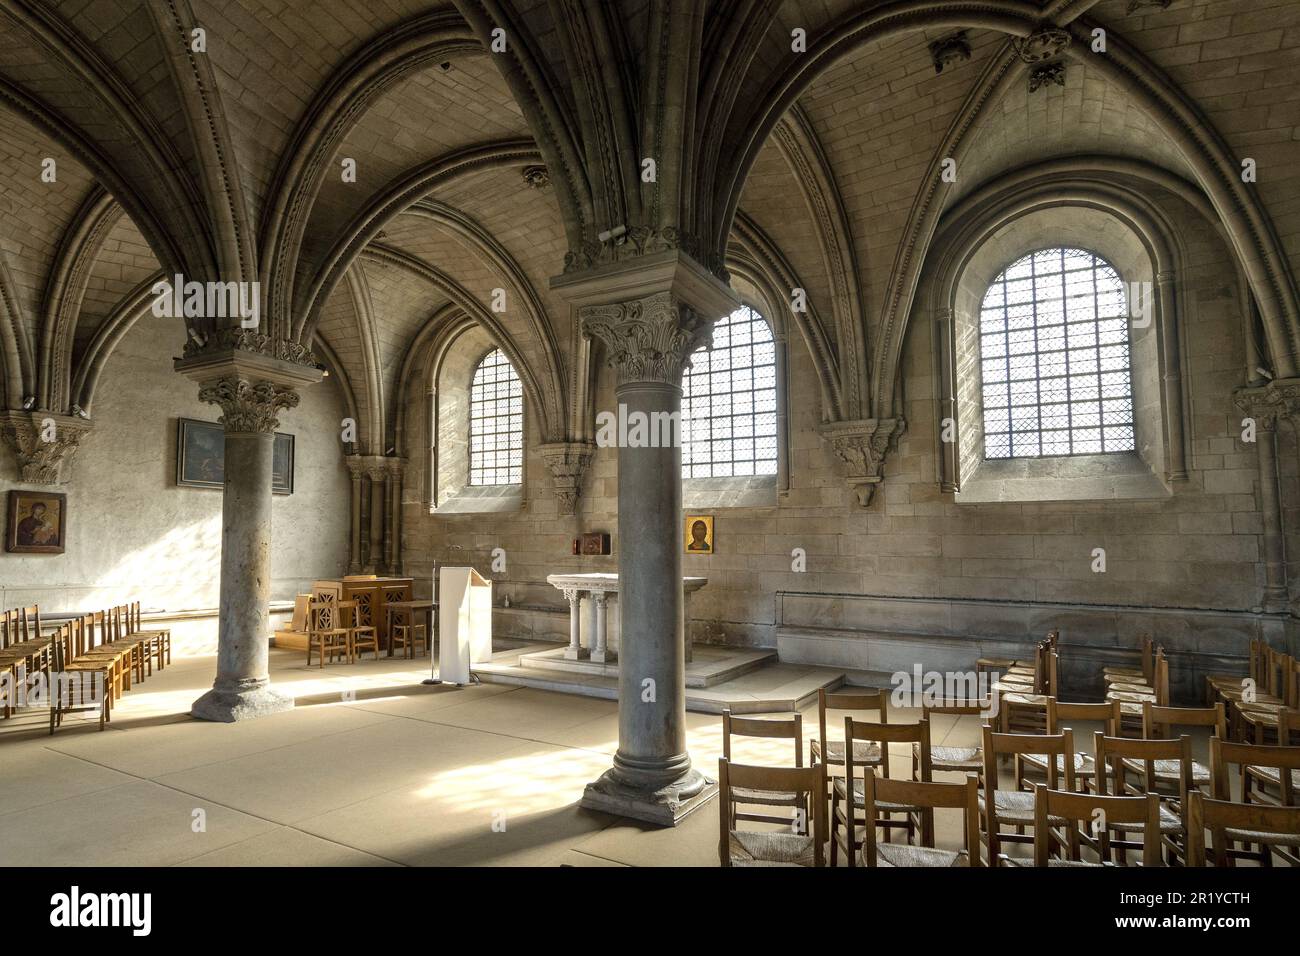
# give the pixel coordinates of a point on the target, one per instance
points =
(38, 522)
(201, 457)
(699, 534)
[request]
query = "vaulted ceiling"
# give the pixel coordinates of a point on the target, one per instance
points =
(816, 167)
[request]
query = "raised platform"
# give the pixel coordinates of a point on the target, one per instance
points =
(717, 678)
(711, 666)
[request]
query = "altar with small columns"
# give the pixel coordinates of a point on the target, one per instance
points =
(593, 631)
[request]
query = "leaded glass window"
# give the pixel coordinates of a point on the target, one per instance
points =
(1054, 358)
(729, 401)
(496, 423)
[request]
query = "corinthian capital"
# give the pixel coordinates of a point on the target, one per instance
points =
(862, 446)
(42, 443)
(248, 405)
(648, 339)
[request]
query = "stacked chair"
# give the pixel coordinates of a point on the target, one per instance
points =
(1142, 796)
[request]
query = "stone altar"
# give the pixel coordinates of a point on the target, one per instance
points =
(588, 596)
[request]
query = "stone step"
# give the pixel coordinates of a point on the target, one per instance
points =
(786, 686)
(711, 665)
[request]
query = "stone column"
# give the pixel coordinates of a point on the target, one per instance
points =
(251, 378)
(1275, 588)
(599, 638)
(574, 651)
(650, 315)
(357, 471)
(394, 532)
(1265, 406)
(378, 475)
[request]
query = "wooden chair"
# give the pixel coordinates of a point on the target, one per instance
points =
(999, 807)
(361, 637)
(1275, 830)
(1254, 672)
(848, 792)
(324, 628)
(1267, 776)
(880, 793)
(1116, 756)
(1257, 720)
(1266, 773)
(1131, 697)
(827, 753)
(407, 634)
(1143, 672)
(159, 638)
(71, 679)
(1084, 766)
(945, 759)
(771, 847)
(28, 651)
(1097, 815)
(125, 655)
(1023, 709)
(781, 728)
(1159, 722)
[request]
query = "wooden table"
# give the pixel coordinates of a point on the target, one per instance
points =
(428, 607)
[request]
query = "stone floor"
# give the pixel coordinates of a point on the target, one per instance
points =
(370, 768)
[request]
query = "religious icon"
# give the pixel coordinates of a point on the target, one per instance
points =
(37, 521)
(699, 534)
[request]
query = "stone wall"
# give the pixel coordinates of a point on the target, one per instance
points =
(1194, 551)
(133, 534)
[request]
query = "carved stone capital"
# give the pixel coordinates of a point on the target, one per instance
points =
(1269, 404)
(1041, 45)
(43, 444)
(568, 462)
(649, 339)
(251, 341)
(950, 50)
(356, 466)
(642, 241)
(248, 405)
(862, 446)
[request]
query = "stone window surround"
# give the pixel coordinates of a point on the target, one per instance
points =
(460, 496)
(1137, 248)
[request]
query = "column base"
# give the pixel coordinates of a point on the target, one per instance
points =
(604, 657)
(664, 807)
(575, 653)
(228, 706)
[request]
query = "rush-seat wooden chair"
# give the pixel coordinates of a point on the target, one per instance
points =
(1116, 759)
(1275, 830)
(1087, 817)
(880, 793)
(1001, 807)
(847, 794)
(790, 803)
(785, 847)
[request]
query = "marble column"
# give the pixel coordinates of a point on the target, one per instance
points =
(599, 633)
(575, 650)
(650, 317)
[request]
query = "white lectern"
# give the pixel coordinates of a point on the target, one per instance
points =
(464, 623)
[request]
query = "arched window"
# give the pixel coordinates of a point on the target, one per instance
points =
(729, 401)
(1054, 358)
(496, 423)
